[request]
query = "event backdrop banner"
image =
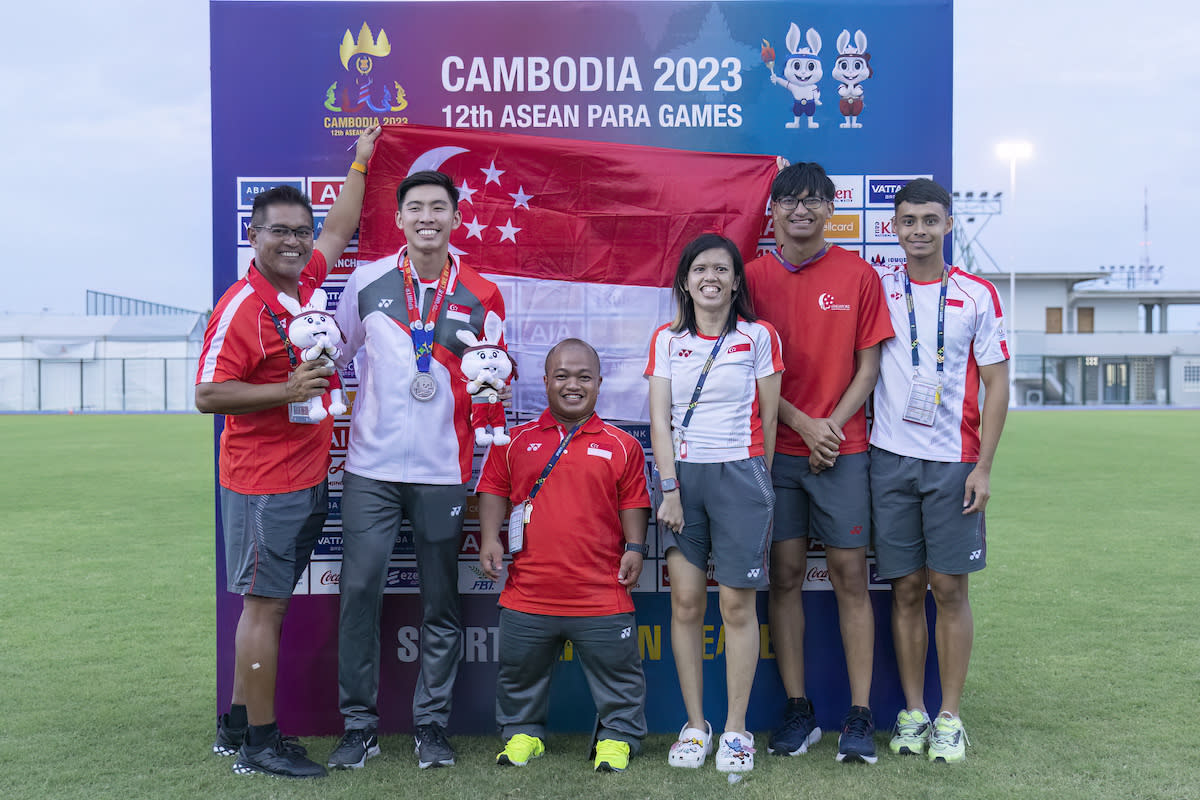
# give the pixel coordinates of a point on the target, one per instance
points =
(485, 90)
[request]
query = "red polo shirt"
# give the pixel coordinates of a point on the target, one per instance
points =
(825, 312)
(574, 541)
(262, 452)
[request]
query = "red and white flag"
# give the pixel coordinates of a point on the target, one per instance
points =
(569, 210)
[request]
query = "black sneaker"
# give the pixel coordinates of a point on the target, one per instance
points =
(229, 740)
(857, 742)
(356, 746)
(432, 748)
(798, 731)
(278, 757)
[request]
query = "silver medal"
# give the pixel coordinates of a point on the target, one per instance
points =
(423, 386)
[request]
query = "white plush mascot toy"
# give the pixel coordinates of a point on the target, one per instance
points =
(314, 334)
(487, 367)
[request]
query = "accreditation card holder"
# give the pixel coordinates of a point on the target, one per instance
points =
(516, 527)
(923, 398)
(298, 412)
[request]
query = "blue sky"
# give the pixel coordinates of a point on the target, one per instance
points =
(106, 141)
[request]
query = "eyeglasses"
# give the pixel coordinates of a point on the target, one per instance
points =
(303, 233)
(789, 202)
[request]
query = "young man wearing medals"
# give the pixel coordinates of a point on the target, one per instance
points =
(577, 532)
(409, 457)
(274, 462)
(829, 310)
(931, 459)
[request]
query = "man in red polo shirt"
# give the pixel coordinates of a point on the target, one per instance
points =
(828, 307)
(274, 463)
(577, 535)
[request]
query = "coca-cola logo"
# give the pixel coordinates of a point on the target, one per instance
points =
(818, 574)
(330, 578)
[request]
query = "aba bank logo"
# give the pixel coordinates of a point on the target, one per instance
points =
(366, 92)
(403, 579)
(844, 227)
(335, 509)
(881, 189)
(827, 302)
(249, 188)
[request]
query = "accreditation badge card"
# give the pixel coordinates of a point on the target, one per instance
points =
(923, 398)
(516, 527)
(298, 413)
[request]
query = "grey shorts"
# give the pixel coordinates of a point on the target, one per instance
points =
(727, 510)
(269, 537)
(833, 505)
(917, 506)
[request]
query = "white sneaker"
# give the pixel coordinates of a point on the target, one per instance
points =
(693, 747)
(736, 752)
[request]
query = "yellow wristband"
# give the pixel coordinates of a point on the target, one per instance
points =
(357, 167)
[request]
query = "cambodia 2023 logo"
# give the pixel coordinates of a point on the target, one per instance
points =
(367, 94)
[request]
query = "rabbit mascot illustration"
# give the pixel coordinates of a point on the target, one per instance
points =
(487, 367)
(801, 73)
(314, 334)
(853, 66)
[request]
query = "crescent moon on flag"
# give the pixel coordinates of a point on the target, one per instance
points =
(433, 159)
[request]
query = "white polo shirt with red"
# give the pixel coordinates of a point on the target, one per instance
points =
(574, 541)
(725, 425)
(262, 452)
(974, 336)
(825, 312)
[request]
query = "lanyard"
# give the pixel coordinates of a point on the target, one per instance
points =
(687, 418)
(562, 448)
(941, 323)
(422, 333)
(287, 343)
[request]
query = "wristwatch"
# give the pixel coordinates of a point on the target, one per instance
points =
(635, 547)
(668, 484)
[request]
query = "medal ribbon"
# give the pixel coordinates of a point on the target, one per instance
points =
(422, 333)
(941, 324)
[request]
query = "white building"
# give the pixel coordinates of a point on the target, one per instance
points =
(1081, 338)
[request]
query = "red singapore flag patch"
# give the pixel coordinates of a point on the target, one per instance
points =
(565, 209)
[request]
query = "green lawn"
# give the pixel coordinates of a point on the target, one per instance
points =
(1085, 681)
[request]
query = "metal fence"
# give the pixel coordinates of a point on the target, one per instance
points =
(105, 384)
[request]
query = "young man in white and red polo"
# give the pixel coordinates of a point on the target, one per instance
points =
(577, 534)
(931, 458)
(827, 306)
(273, 464)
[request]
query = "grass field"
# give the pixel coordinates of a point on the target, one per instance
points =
(1085, 680)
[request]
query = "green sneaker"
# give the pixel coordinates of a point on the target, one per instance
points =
(611, 755)
(948, 742)
(911, 734)
(519, 750)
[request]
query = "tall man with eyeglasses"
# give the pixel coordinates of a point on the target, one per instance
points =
(410, 453)
(829, 310)
(274, 463)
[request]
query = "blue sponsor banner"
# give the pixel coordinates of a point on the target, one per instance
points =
(713, 76)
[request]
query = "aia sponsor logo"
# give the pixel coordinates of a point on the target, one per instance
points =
(827, 302)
